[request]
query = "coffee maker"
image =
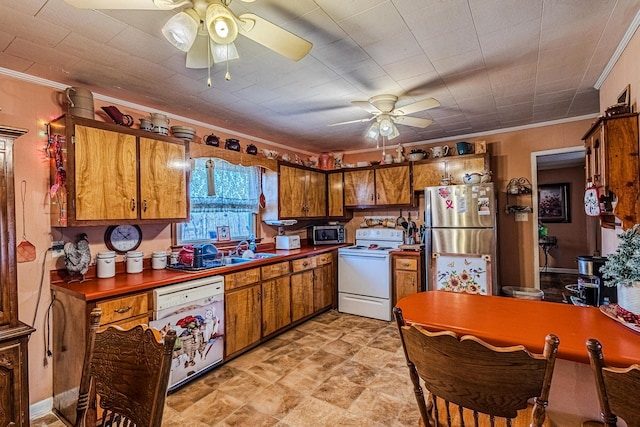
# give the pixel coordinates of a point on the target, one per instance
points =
(589, 274)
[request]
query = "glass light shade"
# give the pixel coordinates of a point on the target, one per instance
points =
(181, 31)
(394, 131)
(386, 127)
(373, 131)
(198, 56)
(221, 24)
(223, 52)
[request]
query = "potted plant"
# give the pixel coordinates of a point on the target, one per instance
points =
(622, 269)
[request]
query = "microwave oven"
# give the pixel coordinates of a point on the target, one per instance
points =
(326, 234)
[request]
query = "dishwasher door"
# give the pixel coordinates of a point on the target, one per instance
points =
(195, 310)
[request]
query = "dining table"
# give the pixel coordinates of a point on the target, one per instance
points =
(503, 321)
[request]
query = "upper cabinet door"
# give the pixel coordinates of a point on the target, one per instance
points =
(393, 186)
(316, 194)
(292, 182)
(105, 175)
(335, 187)
(359, 188)
(163, 181)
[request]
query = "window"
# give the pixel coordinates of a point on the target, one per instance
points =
(230, 199)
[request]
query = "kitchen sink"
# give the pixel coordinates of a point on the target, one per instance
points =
(264, 255)
(229, 260)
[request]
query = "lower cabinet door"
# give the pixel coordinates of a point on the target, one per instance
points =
(276, 304)
(242, 318)
(301, 295)
(323, 286)
(10, 385)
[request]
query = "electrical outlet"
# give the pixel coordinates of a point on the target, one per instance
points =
(522, 217)
(57, 249)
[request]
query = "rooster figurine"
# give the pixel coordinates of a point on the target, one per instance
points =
(77, 257)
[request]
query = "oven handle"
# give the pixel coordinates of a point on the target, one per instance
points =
(363, 255)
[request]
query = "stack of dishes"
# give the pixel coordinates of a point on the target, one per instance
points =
(183, 132)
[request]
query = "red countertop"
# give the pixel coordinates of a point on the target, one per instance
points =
(122, 283)
(506, 321)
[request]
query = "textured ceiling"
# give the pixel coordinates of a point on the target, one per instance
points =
(490, 63)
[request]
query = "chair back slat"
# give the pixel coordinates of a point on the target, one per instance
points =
(617, 388)
(127, 372)
(476, 376)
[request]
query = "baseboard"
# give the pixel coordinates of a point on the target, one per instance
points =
(41, 408)
(558, 270)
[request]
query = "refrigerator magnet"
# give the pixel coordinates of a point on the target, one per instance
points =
(483, 206)
(462, 205)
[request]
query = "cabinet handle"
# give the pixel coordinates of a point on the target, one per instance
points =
(378, 196)
(405, 264)
(133, 204)
(122, 309)
(305, 264)
(144, 205)
(372, 197)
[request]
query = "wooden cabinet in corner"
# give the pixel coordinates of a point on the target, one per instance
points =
(302, 192)
(612, 166)
(105, 174)
(378, 186)
(429, 173)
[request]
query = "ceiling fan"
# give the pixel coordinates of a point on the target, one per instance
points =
(210, 23)
(384, 112)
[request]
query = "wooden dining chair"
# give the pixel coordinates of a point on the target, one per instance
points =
(125, 375)
(470, 382)
(617, 389)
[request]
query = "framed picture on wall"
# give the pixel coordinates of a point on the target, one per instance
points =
(224, 233)
(553, 203)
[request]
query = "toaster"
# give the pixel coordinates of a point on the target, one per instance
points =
(288, 242)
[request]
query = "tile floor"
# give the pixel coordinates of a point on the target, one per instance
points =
(333, 370)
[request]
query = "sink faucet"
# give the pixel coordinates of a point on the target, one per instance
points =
(238, 247)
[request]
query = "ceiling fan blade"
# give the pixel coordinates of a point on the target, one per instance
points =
(412, 121)
(366, 106)
(425, 104)
(352, 121)
(274, 37)
(128, 4)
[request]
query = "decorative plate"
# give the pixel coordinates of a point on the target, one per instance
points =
(610, 311)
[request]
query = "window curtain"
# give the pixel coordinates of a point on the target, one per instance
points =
(237, 188)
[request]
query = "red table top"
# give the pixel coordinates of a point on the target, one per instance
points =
(505, 321)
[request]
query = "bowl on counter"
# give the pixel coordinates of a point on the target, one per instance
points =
(414, 157)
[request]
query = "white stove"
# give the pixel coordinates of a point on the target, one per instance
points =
(364, 273)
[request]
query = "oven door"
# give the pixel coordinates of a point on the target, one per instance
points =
(366, 273)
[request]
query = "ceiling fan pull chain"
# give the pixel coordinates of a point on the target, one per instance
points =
(227, 76)
(209, 66)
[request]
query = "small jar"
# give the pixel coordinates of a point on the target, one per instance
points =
(158, 260)
(106, 264)
(133, 260)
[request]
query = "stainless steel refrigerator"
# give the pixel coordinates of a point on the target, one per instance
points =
(461, 238)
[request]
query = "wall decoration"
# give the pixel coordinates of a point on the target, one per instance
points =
(224, 234)
(625, 96)
(553, 203)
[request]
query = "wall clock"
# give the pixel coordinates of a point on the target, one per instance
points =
(123, 238)
(591, 202)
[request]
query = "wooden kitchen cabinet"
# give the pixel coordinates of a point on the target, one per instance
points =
(276, 297)
(335, 187)
(612, 166)
(324, 282)
(242, 319)
(408, 274)
(243, 310)
(276, 304)
(301, 295)
(14, 335)
(429, 173)
(302, 192)
(70, 328)
(378, 186)
(106, 174)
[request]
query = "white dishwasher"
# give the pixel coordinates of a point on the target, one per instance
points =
(195, 310)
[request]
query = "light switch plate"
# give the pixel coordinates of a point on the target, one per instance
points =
(522, 217)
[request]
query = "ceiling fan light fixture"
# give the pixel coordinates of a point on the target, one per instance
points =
(181, 31)
(223, 52)
(386, 126)
(373, 131)
(221, 24)
(199, 54)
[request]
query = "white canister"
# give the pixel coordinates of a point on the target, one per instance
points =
(106, 264)
(133, 259)
(158, 260)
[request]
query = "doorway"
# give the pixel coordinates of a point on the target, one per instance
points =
(564, 167)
